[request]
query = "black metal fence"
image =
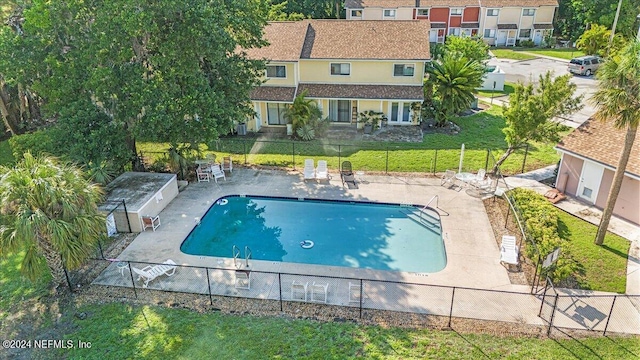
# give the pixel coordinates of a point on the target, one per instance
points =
(370, 157)
(358, 298)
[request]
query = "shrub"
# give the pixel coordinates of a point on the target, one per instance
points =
(541, 224)
(527, 43)
(39, 142)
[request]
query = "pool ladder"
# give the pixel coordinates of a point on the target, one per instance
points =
(436, 198)
(236, 256)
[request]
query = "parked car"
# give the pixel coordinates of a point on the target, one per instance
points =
(584, 65)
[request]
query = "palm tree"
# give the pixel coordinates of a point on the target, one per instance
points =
(48, 210)
(618, 99)
(454, 80)
(302, 112)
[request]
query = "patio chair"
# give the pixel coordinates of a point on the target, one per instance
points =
(299, 291)
(217, 173)
(509, 250)
(354, 292)
(480, 177)
(227, 164)
(322, 172)
(448, 178)
(243, 279)
(309, 171)
(319, 292)
(149, 273)
(202, 175)
(347, 176)
(148, 221)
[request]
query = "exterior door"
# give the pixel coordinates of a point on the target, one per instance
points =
(590, 181)
(340, 110)
(537, 37)
(502, 38)
(400, 113)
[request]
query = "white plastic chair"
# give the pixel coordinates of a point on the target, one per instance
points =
(449, 178)
(509, 250)
(227, 164)
(299, 291)
(480, 177)
(217, 173)
(148, 221)
(309, 169)
(243, 279)
(322, 172)
(319, 292)
(149, 273)
(202, 175)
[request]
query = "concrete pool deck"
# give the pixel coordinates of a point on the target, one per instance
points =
(473, 257)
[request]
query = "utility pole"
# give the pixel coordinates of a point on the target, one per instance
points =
(638, 21)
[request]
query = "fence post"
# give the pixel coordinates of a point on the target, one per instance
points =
(100, 248)
(125, 212)
(280, 290)
(453, 294)
(133, 283)
(553, 314)
(339, 156)
(209, 286)
(435, 162)
(536, 277)
(361, 294)
(244, 149)
(66, 275)
(544, 294)
(293, 154)
(486, 161)
(524, 161)
(386, 166)
(604, 333)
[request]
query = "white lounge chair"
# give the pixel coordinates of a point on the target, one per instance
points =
(319, 292)
(149, 273)
(309, 169)
(509, 250)
(299, 291)
(217, 172)
(148, 221)
(449, 178)
(322, 172)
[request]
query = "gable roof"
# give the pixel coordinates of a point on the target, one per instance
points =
(345, 39)
(602, 142)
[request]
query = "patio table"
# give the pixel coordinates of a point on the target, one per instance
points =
(465, 177)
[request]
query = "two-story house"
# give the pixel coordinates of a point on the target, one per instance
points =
(498, 22)
(347, 67)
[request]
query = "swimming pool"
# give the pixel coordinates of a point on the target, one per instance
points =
(368, 235)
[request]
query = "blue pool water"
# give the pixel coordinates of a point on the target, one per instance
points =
(353, 234)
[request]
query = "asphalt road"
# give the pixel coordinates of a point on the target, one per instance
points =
(530, 70)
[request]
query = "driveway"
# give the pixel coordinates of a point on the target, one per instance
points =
(530, 70)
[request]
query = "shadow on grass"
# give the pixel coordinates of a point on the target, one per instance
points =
(485, 355)
(576, 347)
(635, 354)
(615, 251)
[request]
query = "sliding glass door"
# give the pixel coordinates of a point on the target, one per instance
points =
(340, 110)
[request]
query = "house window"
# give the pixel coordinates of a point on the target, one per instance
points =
(402, 70)
(456, 11)
(528, 12)
(466, 32)
(492, 12)
(340, 69)
(490, 33)
(276, 71)
(389, 13)
(275, 114)
(525, 33)
(454, 31)
(400, 112)
(339, 110)
(356, 13)
(423, 12)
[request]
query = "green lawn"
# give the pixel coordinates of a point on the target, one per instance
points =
(14, 288)
(508, 89)
(479, 132)
(561, 53)
(605, 267)
(120, 331)
(511, 54)
(5, 9)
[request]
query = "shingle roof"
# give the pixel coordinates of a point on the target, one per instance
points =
(470, 25)
(273, 93)
(384, 92)
(543, 26)
(345, 39)
(285, 38)
(517, 3)
(602, 142)
(508, 26)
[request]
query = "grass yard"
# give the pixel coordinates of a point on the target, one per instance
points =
(605, 267)
(560, 53)
(14, 288)
(124, 331)
(438, 152)
(511, 54)
(508, 89)
(5, 9)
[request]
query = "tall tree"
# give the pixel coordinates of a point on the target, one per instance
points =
(48, 210)
(168, 71)
(596, 40)
(618, 100)
(531, 110)
(471, 48)
(452, 81)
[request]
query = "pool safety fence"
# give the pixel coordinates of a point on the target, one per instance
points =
(379, 157)
(334, 297)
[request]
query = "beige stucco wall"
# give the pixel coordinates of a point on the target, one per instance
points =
(544, 14)
(489, 22)
(569, 174)
(404, 14)
(372, 14)
(260, 108)
(526, 22)
(362, 72)
(509, 15)
(628, 199)
(290, 80)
